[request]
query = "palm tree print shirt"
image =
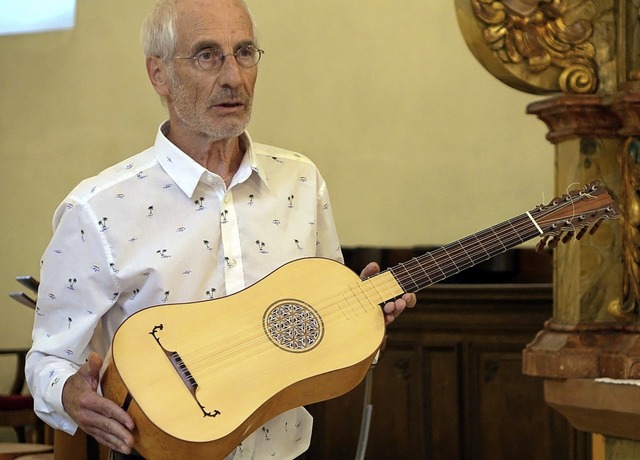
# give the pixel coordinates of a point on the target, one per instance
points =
(158, 228)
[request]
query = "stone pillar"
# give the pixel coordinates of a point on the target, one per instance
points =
(585, 56)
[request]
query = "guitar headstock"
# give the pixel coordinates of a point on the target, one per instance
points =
(573, 214)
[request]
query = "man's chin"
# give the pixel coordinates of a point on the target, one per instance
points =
(220, 133)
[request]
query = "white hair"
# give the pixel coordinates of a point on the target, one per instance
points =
(159, 35)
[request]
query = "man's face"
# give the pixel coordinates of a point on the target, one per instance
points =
(214, 103)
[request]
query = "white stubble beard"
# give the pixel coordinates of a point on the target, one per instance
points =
(188, 113)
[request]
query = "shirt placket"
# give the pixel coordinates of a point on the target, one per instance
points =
(230, 236)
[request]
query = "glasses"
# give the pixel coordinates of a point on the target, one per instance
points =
(212, 58)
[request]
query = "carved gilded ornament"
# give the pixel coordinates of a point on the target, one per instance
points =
(632, 9)
(629, 305)
(536, 46)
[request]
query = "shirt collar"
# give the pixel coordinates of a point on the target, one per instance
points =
(187, 173)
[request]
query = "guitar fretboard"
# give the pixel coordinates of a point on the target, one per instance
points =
(563, 218)
(439, 264)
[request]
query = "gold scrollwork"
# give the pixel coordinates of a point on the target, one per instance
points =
(630, 201)
(541, 34)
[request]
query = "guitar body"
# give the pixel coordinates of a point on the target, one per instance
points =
(197, 378)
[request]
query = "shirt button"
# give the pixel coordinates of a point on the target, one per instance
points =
(232, 262)
(227, 198)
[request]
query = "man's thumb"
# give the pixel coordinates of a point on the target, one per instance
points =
(91, 368)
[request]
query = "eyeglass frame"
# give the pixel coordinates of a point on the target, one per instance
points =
(196, 57)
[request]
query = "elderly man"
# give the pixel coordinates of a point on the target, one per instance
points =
(203, 213)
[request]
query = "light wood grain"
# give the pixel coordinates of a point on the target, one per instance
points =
(240, 371)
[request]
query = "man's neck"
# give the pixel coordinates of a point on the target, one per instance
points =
(222, 157)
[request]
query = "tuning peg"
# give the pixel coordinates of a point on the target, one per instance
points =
(581, 233)
(595, 227)
(553, 242)
(567, 237)
(542, 243)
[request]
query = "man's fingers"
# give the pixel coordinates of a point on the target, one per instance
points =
(121, 444)
(410, 299)
(371, 269)
(103, 419)
(114, 412)
(111, 431)
(394, 308)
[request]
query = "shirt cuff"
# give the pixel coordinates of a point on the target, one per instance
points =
(55, 414)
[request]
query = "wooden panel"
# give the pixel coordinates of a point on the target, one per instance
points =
(508, 407)
(396, 402)
(443, 415)
(449, 385)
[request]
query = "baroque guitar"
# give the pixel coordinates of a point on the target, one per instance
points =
(197, 378)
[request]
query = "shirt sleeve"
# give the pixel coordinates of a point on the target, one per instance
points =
(76, 288)
(327, 244)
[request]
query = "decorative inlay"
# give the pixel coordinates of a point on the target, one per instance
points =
(293, 326)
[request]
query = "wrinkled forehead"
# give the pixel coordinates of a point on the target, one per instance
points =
(222, 22)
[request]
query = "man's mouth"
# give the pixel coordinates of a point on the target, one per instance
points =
(229, 105)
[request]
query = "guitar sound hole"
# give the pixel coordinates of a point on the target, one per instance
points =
(293, 326)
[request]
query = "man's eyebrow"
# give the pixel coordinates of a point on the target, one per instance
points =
(206, 44)
(244, 43)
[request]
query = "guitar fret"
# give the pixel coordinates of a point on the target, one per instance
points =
(466, 253)
(417, 261)
(451, 259)
(408, 272)
(444, 275)
(475, 235)
(498, 238)
(439, 264)
(516, 232)
(359, 297)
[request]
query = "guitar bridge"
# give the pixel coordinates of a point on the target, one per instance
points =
(183, 372)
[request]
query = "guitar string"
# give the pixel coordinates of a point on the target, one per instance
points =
(454, 252)
(441, 261)
(249, 338)
(249, 342)
(542, 218)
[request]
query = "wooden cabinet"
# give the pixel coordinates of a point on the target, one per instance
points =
(449, 384)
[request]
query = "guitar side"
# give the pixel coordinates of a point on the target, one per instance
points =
(202, 376)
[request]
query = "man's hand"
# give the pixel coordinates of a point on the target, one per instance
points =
(391, 309)
(97, 416)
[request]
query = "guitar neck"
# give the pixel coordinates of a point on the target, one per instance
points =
(439, 264)
(563, 218)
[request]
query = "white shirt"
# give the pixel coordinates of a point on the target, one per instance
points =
(159, 228)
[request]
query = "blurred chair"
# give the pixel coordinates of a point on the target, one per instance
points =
(66, 447)
(16, 407)
(14, 451)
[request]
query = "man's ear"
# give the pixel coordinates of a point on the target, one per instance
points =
(158, 75)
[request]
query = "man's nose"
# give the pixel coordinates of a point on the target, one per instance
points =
(230, 73)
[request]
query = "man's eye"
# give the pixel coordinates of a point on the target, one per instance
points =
(206, 55)
(247, 51)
